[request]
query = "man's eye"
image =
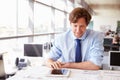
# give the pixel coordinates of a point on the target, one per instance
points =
(81, 26)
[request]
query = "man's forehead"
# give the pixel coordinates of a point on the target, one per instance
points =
(78, 23)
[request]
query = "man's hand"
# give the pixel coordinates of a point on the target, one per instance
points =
(56, 65)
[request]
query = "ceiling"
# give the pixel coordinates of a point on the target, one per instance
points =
(100, 7)
(103, 1)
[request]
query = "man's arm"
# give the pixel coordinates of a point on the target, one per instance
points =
(87, 65)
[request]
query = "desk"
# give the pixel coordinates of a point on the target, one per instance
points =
(39, 73)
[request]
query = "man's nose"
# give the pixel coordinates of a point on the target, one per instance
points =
(78, 29)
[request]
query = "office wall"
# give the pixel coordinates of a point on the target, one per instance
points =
(106, 18)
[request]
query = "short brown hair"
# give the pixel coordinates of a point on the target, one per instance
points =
(79, 13)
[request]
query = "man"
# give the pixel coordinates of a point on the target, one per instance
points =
(64, 53)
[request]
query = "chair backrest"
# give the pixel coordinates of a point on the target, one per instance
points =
(9, 65)
(2, 71)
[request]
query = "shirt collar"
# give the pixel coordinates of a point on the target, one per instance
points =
(84, 35)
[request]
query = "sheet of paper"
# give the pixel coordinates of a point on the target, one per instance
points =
(110, 75)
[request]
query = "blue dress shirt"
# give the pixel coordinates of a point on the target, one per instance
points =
(92, 47)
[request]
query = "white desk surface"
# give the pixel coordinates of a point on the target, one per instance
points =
(40, 72)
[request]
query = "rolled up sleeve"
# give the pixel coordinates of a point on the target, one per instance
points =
(55, 52)
(97, 50)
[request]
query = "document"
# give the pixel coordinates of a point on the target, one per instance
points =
(110, 75)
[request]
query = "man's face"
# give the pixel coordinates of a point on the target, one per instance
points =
(79, 27)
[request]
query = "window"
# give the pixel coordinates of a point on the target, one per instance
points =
(59, 20)
(7, 18)
(60, 4)
(68, 22)
(70, 5)
(50, 2)
(21, 19)
(42, 18)
(24, 16)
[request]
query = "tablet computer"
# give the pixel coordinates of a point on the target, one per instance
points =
(59, 72)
